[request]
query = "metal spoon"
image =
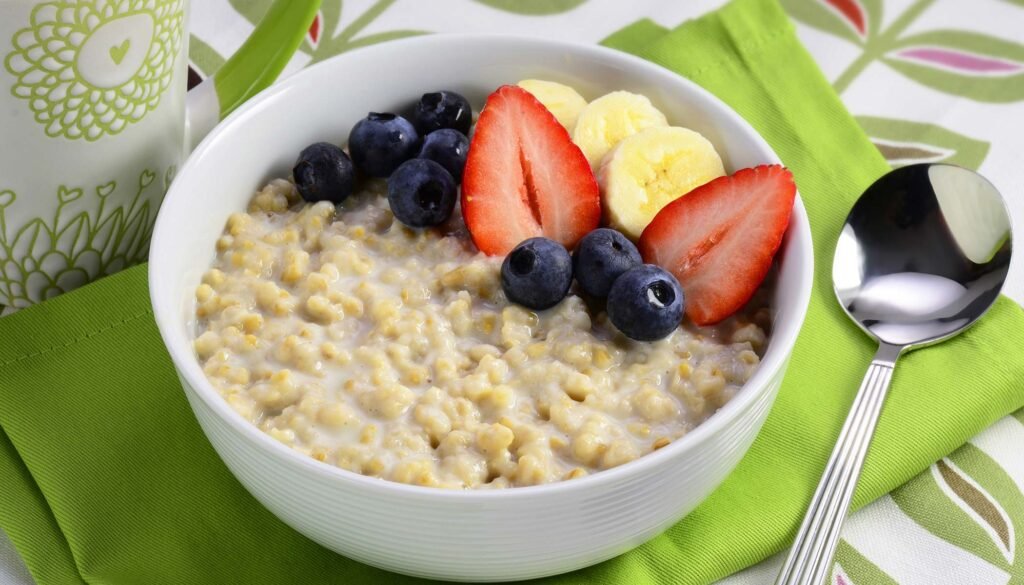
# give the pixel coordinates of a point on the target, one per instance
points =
(922, 256)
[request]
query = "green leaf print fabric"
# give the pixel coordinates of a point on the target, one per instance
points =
(972, 65)
(955, 523)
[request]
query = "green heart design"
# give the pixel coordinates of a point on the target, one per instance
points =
(118, 52)
(104, 190)
(169, 175)
(68, 195)
(146, 178)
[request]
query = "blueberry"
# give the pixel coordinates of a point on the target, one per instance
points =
(646, 303)
(443, 109)
(537, 273)
(421, 193)
(600, 257)
(323, 172)
(381, 142)
(448, 148)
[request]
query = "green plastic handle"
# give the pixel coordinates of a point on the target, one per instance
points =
(263, 56)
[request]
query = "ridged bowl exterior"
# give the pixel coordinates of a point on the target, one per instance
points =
(497, 539)
(474, 535)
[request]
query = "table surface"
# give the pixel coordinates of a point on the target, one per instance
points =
(929, 80)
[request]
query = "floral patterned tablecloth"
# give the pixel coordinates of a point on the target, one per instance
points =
(929, 80)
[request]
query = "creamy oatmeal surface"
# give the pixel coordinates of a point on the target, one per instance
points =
(393, 353)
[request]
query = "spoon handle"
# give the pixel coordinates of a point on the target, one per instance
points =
(811, 556)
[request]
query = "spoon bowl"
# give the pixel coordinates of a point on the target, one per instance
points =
(924, 253)
(922, 256)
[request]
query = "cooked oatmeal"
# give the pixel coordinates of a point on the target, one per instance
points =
(393, 353)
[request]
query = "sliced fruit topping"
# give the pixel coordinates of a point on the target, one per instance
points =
(524, 177)
(443, 109)
(421, 193)
(646, 303)
(323, 172)
(719, 239)
(651, 168)
(380, 142)
(610, 118)
(601, 257)
(537, 273)
(447, 148)
(561, 100)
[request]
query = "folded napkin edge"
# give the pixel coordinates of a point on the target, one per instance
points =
(77, 315)
(83, 337)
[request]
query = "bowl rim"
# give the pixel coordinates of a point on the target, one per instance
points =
(179, 347)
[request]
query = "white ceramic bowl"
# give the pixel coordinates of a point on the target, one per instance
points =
(496, 535)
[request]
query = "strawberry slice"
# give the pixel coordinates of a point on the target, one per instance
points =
(524, 177)
(720, 238)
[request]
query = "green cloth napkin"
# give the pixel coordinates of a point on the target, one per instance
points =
(105, 477)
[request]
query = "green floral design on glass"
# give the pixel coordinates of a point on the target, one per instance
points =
(89, 69)
(46, 258)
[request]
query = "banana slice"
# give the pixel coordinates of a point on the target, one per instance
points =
(610, 118)
(649, 170)
(561, 100)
